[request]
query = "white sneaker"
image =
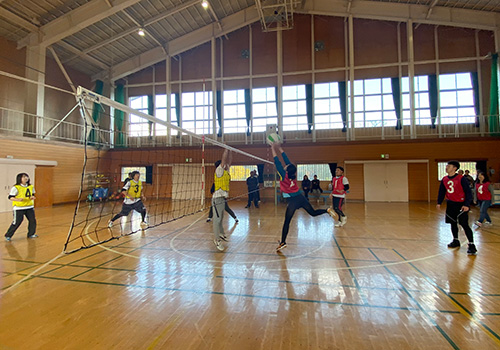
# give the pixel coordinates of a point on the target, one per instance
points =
(209, 219)
(343, 220)
(477, 223)
(338, 224)
(144, 225)
(219, 245)
(332, 213)
(110, 224)
(488, 223)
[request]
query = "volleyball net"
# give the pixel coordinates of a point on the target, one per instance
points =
(154, 167)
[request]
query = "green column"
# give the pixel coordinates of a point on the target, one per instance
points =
(119, 116)
(493, 118)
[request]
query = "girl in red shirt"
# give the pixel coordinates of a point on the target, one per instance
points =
(484, 191)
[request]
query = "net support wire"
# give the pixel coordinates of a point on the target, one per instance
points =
(85, 94)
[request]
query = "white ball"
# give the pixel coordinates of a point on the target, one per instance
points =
(273, 138)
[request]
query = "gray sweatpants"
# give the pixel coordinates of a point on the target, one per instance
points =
(218, 205)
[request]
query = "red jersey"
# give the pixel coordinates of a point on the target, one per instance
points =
(454, 190)
(338, 185)
(483, 193)
(289, 186)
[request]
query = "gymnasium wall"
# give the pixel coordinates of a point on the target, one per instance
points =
(66, 175)
(433, 151)
(12, 92)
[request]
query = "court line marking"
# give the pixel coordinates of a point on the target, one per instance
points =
(167, 328)
(469, 315)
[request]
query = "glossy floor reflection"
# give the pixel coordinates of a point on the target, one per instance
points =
(384, 281)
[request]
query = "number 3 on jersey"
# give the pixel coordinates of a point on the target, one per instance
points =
(450, 188)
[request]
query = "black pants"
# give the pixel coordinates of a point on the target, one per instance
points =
(295, 203)
(127, 208)
(337, 206)
(18, 219)
(455, 218)
(226, 208)
(253, 197)
(306, 193)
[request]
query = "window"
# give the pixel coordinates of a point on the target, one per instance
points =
(327, 106)
(234, 111)
(322, 170)
(197, 112)
(373, 103)
(146, 173)
(241, 172)
(161, 113)
(456, 98)
(264, 110)
(422, 108)
(471, 166)
(138, 126)
(294, 108)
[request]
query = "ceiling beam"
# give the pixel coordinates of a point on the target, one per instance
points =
(400, 12)
(74, 21)
(179, 45)
(91, 59)
(17, 20)
(132, 30)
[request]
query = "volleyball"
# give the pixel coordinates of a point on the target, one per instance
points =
(273, 138)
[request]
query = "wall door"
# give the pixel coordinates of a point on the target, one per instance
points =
(386, 182)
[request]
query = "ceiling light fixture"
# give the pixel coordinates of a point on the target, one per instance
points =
(141, 32)
(204, 4)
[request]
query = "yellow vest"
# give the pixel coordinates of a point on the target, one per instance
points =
(24, 193)
(135, 189)
(222, 182)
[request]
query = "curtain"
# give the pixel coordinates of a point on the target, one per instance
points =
(343, 104)
(493, 119)
(218, 101)
(278, 111)
(177, 97)
(396, 97)
(248, 111)
(119, 116)
(96, 111)
(309, 107)
(433, 98)
(333, 167)
(475, 88)
(151, 111)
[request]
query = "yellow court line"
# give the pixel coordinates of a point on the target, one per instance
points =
(168, 327)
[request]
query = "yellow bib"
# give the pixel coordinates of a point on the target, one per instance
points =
(135, 189)
(222, 182)
(24, 193)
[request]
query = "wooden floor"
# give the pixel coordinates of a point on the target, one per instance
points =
(386, 280)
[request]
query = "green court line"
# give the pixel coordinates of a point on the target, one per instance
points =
(430, 319)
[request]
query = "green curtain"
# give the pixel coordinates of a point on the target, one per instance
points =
(433, 98)
(218, 98)
(493, 119)
(96, 112)
(396, 97)
(475, 89)
(151, 111)
(343, 104)
(248, 109)
(177, 98)
(277, 110)
(309, 107)
(119, 116)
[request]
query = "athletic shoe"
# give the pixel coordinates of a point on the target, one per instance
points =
(472, 249)
(224, 238)
(477, 223)
(110, 224)
(219, 245)
(488, 223)
(8, 239)
(33, 236)
(209, 219)
(247, 206)
(281, 246)
(332, 213)
(454, 244)
(144, 224)
(343, 220)
(236, 221)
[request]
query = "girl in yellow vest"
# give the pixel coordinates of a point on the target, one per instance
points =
(219, 197)
(22, 195)
(133, 199)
